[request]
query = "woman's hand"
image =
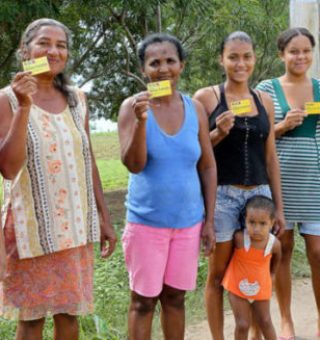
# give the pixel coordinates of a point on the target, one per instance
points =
(24, 86)
(293, 119)
(108, 235)
(208, 238)
(225, 123)
(140, 105)
(280, 224)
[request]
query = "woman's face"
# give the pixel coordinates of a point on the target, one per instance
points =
(297, 55)
(238, 60)
(162, 63)
(50, 41)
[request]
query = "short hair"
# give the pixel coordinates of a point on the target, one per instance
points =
(160, 38)
(237, 35)
(261, 202)
(286, 36)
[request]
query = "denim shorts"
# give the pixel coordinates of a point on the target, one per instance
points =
(308, 228)
(229, 203)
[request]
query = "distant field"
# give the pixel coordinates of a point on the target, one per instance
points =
(106, 145)
(107, 153)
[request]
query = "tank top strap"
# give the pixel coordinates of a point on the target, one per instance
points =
(257, 101)
(269, 245)
(246, 240)
(223, 100)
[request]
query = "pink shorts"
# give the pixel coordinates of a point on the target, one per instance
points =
(157, 256)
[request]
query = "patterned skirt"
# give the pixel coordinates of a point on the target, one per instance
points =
(57, 283)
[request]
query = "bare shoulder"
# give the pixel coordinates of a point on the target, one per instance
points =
(203, 92)
(267, 102)
(208, 97)
(265, 97)
(6, 114)
(198, 105)
(5, 105)
(126, 108)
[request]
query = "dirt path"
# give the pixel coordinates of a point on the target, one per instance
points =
(303, 308)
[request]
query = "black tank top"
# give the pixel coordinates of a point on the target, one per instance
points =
(240, 156)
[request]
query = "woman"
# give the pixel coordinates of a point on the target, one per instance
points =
(297, 145)
(246, 159)
(165, 145)
(52, 192)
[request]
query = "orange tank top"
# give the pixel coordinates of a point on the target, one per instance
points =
(248, 273)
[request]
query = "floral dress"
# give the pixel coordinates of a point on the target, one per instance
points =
(50, 219)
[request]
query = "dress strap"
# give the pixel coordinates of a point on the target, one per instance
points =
(316, 90)
(246, 240)
(281, 97)
(269, 245)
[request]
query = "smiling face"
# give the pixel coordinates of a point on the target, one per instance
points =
(162, 62)
(238, 60)
(49, 41)
(258, 223)
(297, 55)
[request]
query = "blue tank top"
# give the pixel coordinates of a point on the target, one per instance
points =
(167, 192)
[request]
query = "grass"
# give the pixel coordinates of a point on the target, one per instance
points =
(106, 149)
(110, 277)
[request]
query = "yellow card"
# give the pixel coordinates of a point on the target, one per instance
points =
(36, 66)
(160, 88)
(241, 107)
(312, 108)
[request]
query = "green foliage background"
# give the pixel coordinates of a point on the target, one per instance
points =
(106, 34)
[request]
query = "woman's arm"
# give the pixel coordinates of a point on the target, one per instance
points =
(13, 128)
(132, 131)
(2, 254)
(208, 178)
(224, 121)
(276, 257)
(107, 233)
(273, 168)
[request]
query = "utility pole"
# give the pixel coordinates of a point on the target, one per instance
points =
(305, 13)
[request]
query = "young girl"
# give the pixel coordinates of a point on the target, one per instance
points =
(249, 275)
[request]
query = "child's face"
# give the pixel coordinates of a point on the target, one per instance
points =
(258, 223)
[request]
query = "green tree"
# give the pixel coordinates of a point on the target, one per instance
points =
(106, 34)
